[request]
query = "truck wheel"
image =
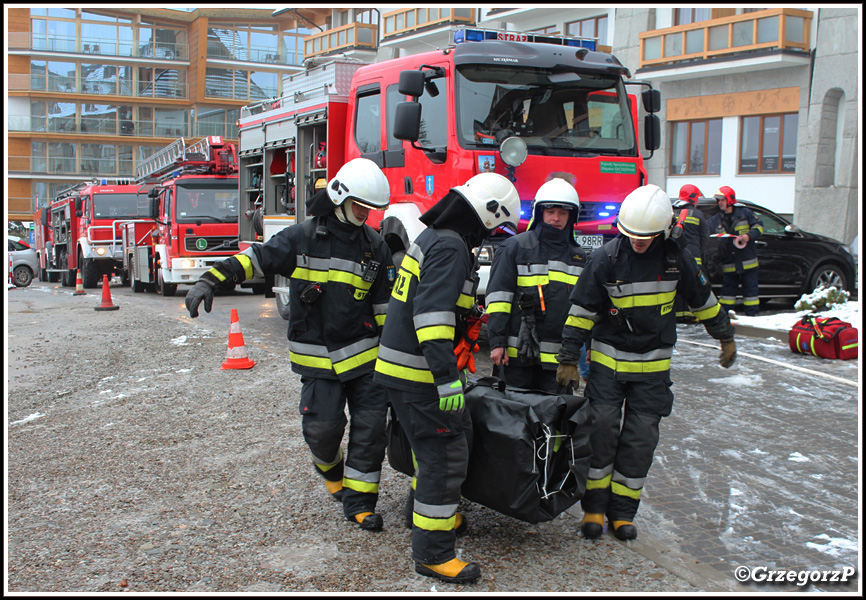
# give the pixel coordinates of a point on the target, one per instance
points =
(22, 276)
(89, 273)
(64, 276)
(137, 286)
(166, 289)
(282, 298)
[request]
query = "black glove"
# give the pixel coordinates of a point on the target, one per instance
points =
(527, 340)
(202, 290)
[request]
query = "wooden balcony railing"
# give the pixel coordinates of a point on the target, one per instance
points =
(779, 28)
(347, 37)
(408, 20)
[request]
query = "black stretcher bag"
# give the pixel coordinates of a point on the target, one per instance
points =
(530, 450)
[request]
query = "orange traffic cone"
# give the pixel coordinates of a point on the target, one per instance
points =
(106, 296)
(79, 285)
(236, 357)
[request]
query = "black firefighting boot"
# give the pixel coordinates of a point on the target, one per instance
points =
(591, 526)
(624, 530)
(453, 571)
(368, 521)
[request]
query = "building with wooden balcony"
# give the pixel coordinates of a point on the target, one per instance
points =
(763, 100)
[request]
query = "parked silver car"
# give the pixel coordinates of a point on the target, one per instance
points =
(25, 263)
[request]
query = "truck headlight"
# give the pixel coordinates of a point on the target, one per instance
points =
(485, 255)
(186, 263)
(100, 251)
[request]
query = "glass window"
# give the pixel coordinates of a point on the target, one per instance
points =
(38, 162)
(555, 113)
(595, 27)
(368, 123)
(61, 157)
(62, 116)
(685, 16)
(696, 147)
(393, 97)
(768, 144)
(263, 85)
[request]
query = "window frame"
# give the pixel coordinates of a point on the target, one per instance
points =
(579, 24)
(688, 143)
(779, 155)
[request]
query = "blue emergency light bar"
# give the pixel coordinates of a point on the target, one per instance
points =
(463, 34)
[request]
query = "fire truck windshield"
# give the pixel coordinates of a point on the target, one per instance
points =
(115, 206)
(215, 201)
(556, 114)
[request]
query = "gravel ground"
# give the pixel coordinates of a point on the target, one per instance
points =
(146, 468)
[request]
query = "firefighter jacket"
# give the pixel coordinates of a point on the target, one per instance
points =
(696, 230)
(340, 278)
(624, 301)
(433, 294)
(532, 275)
(741, 220)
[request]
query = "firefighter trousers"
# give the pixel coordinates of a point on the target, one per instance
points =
(440, 442)
(730, 286)
(626, 417)
(323, 405)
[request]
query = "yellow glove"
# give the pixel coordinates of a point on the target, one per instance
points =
(729, 353)
(567, 375)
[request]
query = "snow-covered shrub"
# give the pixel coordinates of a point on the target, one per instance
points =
(821, 299)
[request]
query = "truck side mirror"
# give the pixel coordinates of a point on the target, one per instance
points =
(652, 132)
(411, 83)
(154, 208)
(652, 100)
(407, 119)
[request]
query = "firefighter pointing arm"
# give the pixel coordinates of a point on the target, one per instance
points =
(339, 288)
(625, 297)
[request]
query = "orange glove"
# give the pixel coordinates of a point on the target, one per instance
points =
(467, 346)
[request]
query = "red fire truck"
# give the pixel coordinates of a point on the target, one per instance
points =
(521, 105)
(194, 203)
(81, 230)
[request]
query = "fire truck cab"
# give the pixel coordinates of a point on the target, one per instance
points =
(525, 106)
(194, 203)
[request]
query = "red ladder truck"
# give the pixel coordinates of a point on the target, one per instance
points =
(522, 105)
(81, 229)
(194, 202)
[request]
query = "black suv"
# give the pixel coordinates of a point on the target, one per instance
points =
(791, 262)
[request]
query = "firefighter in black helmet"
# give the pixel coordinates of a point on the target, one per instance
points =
(432, 297)
(624, 302)
(340, 273)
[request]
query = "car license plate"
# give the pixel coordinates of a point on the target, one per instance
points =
(590, 241)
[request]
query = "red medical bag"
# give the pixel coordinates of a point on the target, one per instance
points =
(827, 337)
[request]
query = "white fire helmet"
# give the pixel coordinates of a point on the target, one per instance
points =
(493, 198)
(556, 193)
(645, 213)
(363, 181)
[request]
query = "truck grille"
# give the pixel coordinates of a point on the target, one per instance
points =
(213, 243)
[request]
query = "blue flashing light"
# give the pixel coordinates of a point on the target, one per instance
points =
(604, 214)
(104, 181)
(610, 206)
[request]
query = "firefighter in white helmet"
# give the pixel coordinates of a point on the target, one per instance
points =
(341, 272)
(530, 281)
(624, 302)
(432, 298)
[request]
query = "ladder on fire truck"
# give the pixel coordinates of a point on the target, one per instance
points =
(177, 156)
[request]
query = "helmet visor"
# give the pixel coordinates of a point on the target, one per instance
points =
(636, 235)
